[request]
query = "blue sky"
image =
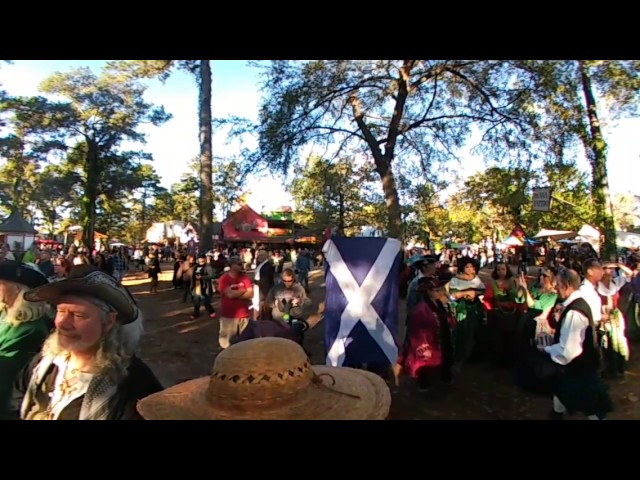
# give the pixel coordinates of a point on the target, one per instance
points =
(235, 92)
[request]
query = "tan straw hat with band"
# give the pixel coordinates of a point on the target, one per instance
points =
(271, 379)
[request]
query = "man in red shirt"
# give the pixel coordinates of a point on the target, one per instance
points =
(236, 292)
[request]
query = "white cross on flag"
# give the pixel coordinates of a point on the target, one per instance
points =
(362, 291)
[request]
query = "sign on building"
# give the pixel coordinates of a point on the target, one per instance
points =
(542, 199)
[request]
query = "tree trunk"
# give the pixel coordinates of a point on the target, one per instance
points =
(18, 200)
(143, 214)
(53, 216)
(341, 211)
(206, 159)
(600, 181)
(90, 195)
(382, 160)
(394, 212)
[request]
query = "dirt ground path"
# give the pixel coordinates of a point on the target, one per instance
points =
(178, 349)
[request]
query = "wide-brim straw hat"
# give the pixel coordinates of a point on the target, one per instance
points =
(87, 280)
(271, 379)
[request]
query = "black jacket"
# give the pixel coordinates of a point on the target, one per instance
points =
(139, 383)
(267, 279)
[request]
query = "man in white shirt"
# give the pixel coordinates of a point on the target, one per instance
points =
(578, 386)
(592, 270)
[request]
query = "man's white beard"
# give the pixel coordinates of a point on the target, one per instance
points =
(58, 344)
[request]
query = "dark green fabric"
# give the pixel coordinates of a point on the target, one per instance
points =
(501, 296)
(470, 319)
(18, 345)
(632, 321)
(541, 301)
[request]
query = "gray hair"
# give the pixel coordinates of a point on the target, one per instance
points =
(22, 311)
(115, 349)
(569, 278)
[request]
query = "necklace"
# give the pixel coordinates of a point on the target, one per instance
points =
(63, 390)
(67, 384)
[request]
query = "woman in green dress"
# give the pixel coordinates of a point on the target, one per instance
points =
(533, 372)
(464, 292)
(538, 299)
(23, 325)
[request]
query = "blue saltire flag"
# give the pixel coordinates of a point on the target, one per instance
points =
(361, 304)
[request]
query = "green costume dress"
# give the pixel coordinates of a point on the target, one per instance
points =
(503, 316)
(469, 315)
(541, 300)
(19, 342)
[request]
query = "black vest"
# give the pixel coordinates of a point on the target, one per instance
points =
(589, 359)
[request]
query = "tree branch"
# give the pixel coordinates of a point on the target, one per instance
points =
(398, 111)
(368, 136)
(481, 91)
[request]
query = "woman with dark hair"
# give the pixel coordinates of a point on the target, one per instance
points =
(502, 315)
(464, 291)
(427, 354)
(536, 331)
(100, 262)
(539, 300)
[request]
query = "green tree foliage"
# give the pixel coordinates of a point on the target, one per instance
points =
(425, 216)
(56, 190)
(626, 210)
(567, 93)
(24, 149)
(492, 202)
(201, 70)
(571, 206)
(182, 201)
(101, 112)
(337, 194)
(128, 213)
(395, 110)
(228, 180)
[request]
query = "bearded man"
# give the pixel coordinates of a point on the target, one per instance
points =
(86, 369)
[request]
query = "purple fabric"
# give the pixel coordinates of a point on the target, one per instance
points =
(266, 328)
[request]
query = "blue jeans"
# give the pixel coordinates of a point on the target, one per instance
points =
(303, 278)
(204, 300)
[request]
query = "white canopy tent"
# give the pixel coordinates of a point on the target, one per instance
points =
(555, 234)
(628, 239)
(590, 235)
(511, 241)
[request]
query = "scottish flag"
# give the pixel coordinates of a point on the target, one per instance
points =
(361, 305)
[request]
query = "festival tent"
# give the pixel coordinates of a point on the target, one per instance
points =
(590, 235)
(587, 231)
(512, 241)
(628, 239)
(555, 234)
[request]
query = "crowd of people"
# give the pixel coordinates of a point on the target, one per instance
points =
(565, 334)
(68, 339)
(68, 352)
